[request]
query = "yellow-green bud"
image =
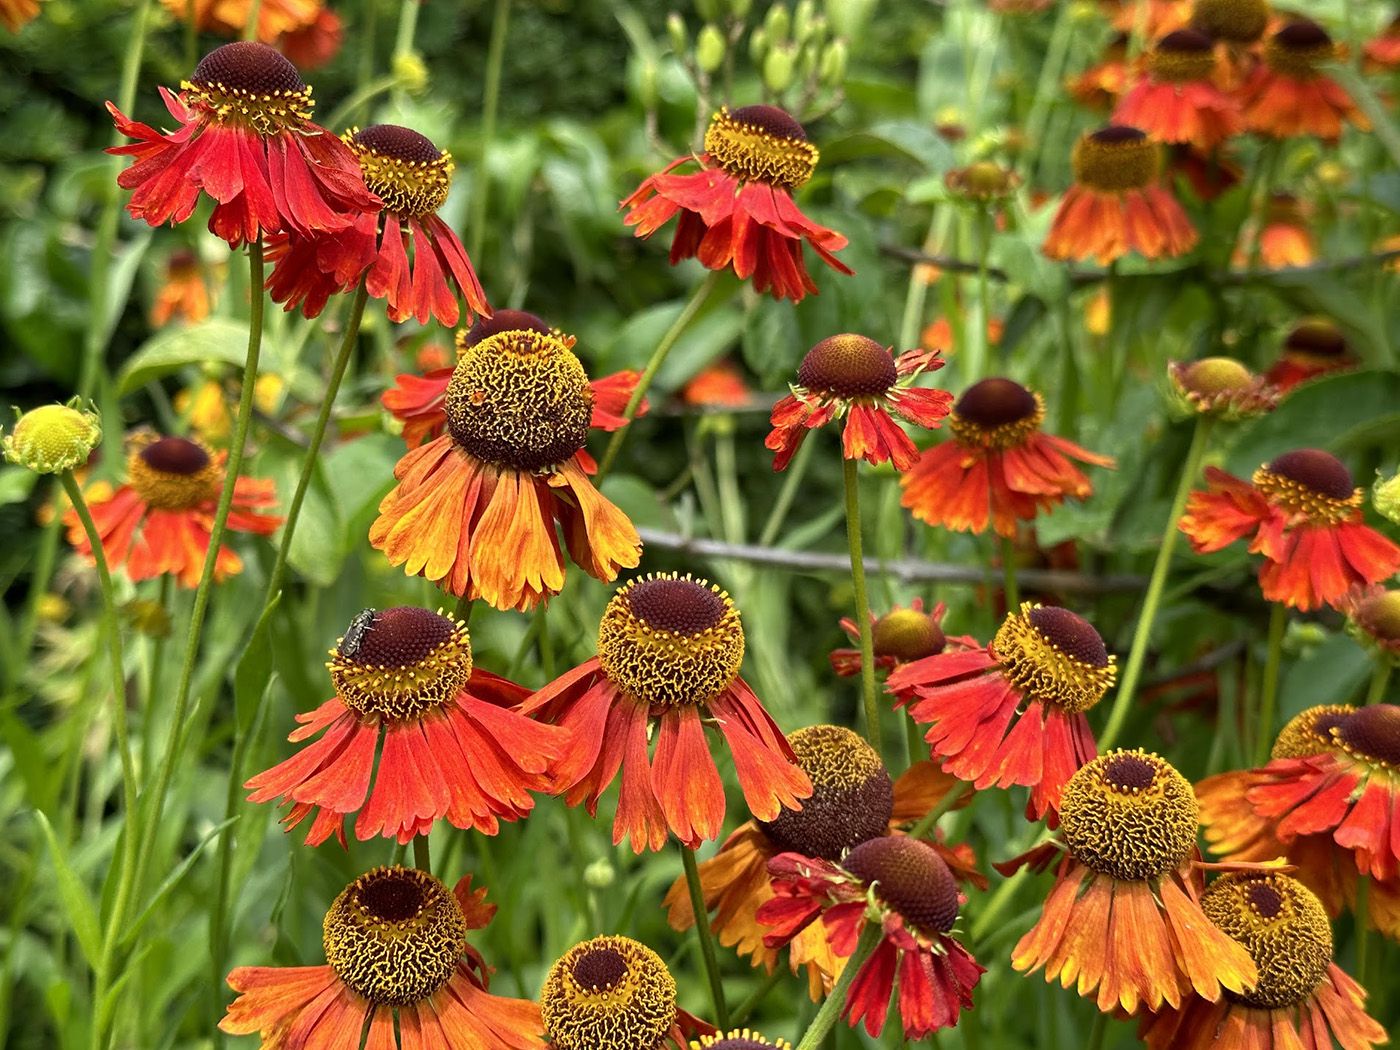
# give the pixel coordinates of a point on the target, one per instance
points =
(54, 438)
(411, 72)
(778, 24)
(778, 67)
(802, 18)
(709, 10)
(1386, 497)
(709, 49)
(647, 76)
(758, 46)
(148, 616)
(599, 875)
(740, 8)
(833, 64)
(675, 29)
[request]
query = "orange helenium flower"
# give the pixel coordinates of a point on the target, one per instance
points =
(1124, 916)
(999, 467)
(1284, 239)
(396, 949)
(162, 518)
(1383, 52)
(1312, 349)
(315, 44)
(449, 744)
(16, 14)
(1100, 86)
(853, 376)
(1176, 100)
(478, 508)
(1118, 203)
(1152, 18)
(230, 17)
(737, 211)
(669, 651)
(1013, 713)
(1289, 95)
(247, 140)
(717, 386)
(1303, 514)
(183, 293)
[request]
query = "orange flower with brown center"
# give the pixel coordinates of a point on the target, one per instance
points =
(1315, 347)
(1289, 94)
(1176, 100)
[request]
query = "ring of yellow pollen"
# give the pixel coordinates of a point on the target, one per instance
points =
(670, 640)
(1233, 21)
(761, 144)
(907, 635)
(519, 400)
(1129, 815)
(610, 993)
(852, 797)
(395, 935)
(402, 168)
(848, 366)
(1298, 49)
(1116, 159)
(1310, 732)
(908, 877)
(1282, 925)
(1310, 483)
(1379, 616)
(996, 413)
(1054, 656)
(738, 1039)
(502, 321)
(1182, 56)
(1316, 341)
(250, 85)
(1371, 735)
(172, 473)
(398, 664)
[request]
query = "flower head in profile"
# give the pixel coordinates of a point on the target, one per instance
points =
(480, 507)
(999, 468)
(1101, 85)
(1303, 514)
(161, 519)
(1373, 618)
(245, 138)
(852, 802)
(397, 950)
(903, 885)
(16, 14)
(717, 387)
(900, 636)
(406, 254)
(737, 212)
(1221, 387)
(669, 652)
(985, 183)
(1284, 236)
(854, 377)
(612, 993)
(1383, 50)
(1288, 94)
(1176, 100)
(1014, 711)
(1124, 916)
(1118, 203)
(1302, 999)
(449, 744)
(1315, 347)
(182, 292)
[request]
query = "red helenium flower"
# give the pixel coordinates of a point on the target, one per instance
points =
(1176, 100)
(1287, 94)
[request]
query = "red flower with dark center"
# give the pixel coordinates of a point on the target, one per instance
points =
(1383, 51)
(1288, 94)
(406, 254)
(917, 899)
(853, 376)
(1303, 515)
(999, 468)
(449, 743)
(162, 518)
(246, 139)
(737, 212)
(1176, 100)
(1312, 349)
(1284, 238)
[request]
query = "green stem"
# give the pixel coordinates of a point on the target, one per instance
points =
(930, 819)
(1380, 678)
(705, 935)
(1363, 929)
(831, 1006)
(490, 103)
(250, 28)
(792, 484)
(422, 856)
(1268, 690)
(1122, 704)
(234, 464)
(153, 693)
(1097, 1032)
(1047, 88)
(747, 1007)
(1008, 574)
(369, 91)
(996, 904)
(1067, 396)
(867, 634)
(44, 560)
(977, 347)
(914, 741)
(318, 435)
(658, 358)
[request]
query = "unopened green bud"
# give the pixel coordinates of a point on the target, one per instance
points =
(647, 76)
(802, 17)
(740, 8)
(599, 875)
(778, 67)
(54, 438)
(758, 46)
(1386, 497)
(778, 24)
(709, 49)
(675, 29)
(833, 64)
(807, 63)
(709, 10)
(411, 72)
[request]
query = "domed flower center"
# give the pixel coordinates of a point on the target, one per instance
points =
(671, 640)
(996, 413)
(1217, 376)
(250, 85)
(1233, 21)
(761, 144)
(1380, 615)
(1054, 656)
(1310, 731)
(910, 879)
(1317, 470)
(1372, 733)
(1116, 159)
(1310, 483)
(741, 1039)
(395, 935)
(398, 664)
(1282, 925)
(983, 181)
(908, 634)
(402, 168)
(1129, 815)
(852, 797)
(610, 993)
(1317, 339)
(519, 400)
(1285, 209)
(171, 473)
(1182, 56)
(847, 366)
(484, 328)
(1298, 49)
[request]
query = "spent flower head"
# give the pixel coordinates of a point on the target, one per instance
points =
(53, 439)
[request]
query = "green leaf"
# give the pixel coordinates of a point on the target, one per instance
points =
(906, 140)
(16, 483)
(217, 339)
(1369, 104)
(73, 895)
(253, 674)
(171, 881)
(32, 765)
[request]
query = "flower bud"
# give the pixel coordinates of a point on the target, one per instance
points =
(647, 76)
(832, 68)
(758, 46)
(778, 68)
(778, 24)
(709, 48)
(709, 10)
(53, 438)
(599, 875)
(675, 29)
(411, 72)
(1386, 497)
(740, 8)
(803, 17)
